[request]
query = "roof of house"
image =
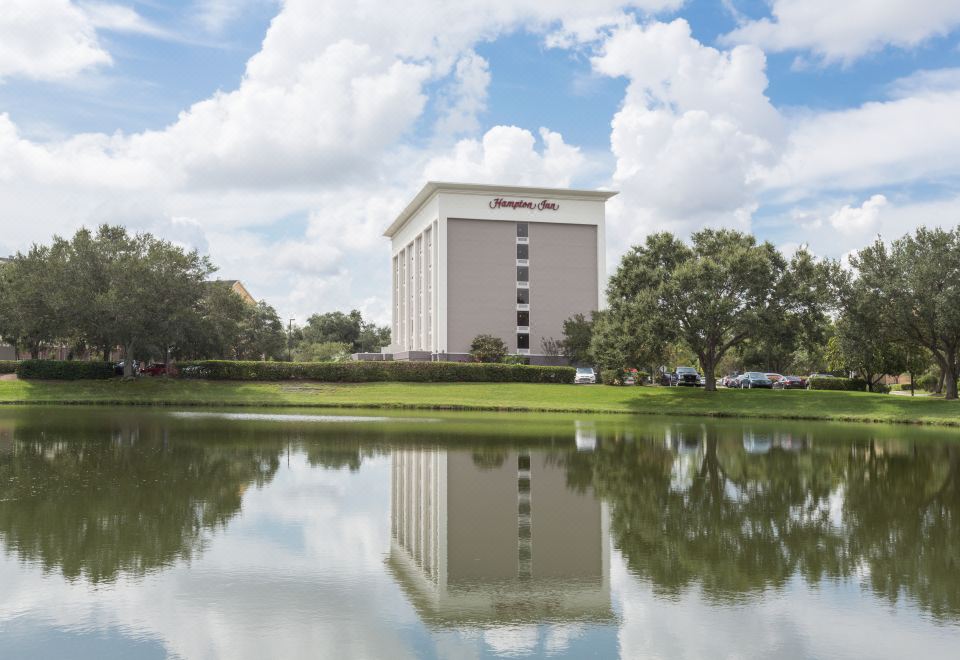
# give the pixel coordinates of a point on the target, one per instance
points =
(237, 286)
(431, 188)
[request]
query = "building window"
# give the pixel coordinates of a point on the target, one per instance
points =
(523, 318)
(523, 296)
(523, 340)
(522, 230)
(523, 251)
(523, 274)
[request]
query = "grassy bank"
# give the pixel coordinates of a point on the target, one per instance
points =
(838, 406)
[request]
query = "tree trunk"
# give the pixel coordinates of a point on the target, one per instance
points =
(128, 361)
(943, 375)
(106, 355)
(950, 374)
(912, 388)
(710, 378)
(35, 352)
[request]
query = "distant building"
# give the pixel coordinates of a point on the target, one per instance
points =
(237, 287)
(513, 262)
(484, 542)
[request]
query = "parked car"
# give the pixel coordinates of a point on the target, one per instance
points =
(155, 369)
(667, 379)
(118, 367)
(687, 376)
(790, 383)
(753, 379)
(775, 377)
(730, 380)
(585, 376)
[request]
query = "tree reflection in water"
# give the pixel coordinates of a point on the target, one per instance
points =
(736, 512)
(97, 504)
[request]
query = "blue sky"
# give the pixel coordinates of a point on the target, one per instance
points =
(281, 136)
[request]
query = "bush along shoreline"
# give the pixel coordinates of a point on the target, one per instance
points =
(63, 370)
(369, 372)
(329, 372)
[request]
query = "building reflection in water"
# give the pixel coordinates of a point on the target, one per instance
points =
(487, 541)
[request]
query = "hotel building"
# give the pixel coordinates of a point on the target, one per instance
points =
(513, 262)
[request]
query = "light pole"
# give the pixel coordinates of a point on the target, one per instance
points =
(290, 340)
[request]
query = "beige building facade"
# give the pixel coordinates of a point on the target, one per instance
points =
(509, 261)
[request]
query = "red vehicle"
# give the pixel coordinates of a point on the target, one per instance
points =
(155, 369)
(790, 383)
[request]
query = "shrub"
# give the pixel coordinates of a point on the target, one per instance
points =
(64, 370)
(843, 384)
(901, 387)
(487, 348)
(369, 372)
(928, 382)
(611, 377)
(515, 359)
(8, 366)
(880, 388)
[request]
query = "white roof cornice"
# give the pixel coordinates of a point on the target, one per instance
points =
(435, 187)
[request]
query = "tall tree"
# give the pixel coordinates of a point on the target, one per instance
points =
(217, 332)
(864, 342)
(261, 333)
(632, 331)
(34, 299)
(918, 281)
(577, 335)
(718, 293)
(350, 328)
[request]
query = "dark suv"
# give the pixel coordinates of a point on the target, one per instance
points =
(687, 376)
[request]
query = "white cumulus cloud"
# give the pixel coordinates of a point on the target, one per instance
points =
(47, 40)
(844, 31)
(693, 133)
(850, 219)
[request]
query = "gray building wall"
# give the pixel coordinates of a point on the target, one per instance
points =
(563, 277)
(482, 280)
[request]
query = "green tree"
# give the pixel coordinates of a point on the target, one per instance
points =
(261, 334)
(33, 298)
(217, 333)
(577, 337)
(716, 294)
(915, 279)
(632, 331)
(328, 351)
(863, 342)
(153, 292)
(334, 327)
(337, 327)
(487, 348)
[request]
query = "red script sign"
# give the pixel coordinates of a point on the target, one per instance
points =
(543, 205)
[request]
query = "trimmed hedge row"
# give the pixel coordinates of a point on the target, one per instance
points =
(844, 384)
(64, 370)
(8, 366)
(367, 372)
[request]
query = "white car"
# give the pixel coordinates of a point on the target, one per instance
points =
(585, 375)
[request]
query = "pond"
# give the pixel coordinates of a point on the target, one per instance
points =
(154, 533)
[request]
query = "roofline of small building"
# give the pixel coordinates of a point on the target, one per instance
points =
(432, 188)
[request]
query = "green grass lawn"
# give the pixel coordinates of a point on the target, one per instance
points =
(844, 406)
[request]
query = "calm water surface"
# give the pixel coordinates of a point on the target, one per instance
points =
(131, 533)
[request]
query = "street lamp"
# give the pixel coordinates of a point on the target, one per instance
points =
(290, 341)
